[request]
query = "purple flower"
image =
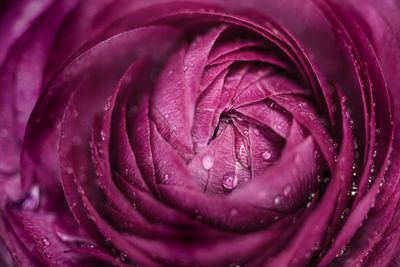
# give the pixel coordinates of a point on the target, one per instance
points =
(200, 133)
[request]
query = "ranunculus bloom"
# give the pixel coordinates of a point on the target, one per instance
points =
(200, 133)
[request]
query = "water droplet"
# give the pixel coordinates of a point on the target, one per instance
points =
(103, 135)
(242, 150)
(185, 68)
(45, 241)
(106, 107)
(277, 200)
(229, 181)
(353, 191)
(335, 145)
(173, 127)
(123, 257)
(344, 251)
(266, 155)
(344, 99)
(310, 116)
(126, 171)
(246, 132)
(287, 190)
(208, 162)
(69, 170)
(170, 72)
(378, 131)
(256, 132)
(166, 116)
(32, 201)
(246, 180)
(166, 177)
(373, 237)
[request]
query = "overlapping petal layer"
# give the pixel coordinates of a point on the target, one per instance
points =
(188, 134)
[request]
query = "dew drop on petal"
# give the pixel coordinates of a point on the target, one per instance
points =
(166, 177)
(45, 241)
(103, 135)
(353, 191)
(277, 200)
(229, 181)
(287, 190)
(123, 257)
(208, 162)
(344, 251)
(266, 155)
(243, 151)
(166, 116)
(32, 201)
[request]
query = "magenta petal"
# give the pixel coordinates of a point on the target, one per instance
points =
(217, 133)
(207, 113)
(153, 210)
(288, 181)
(266, 115)
(168, 166)
(36, 232)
